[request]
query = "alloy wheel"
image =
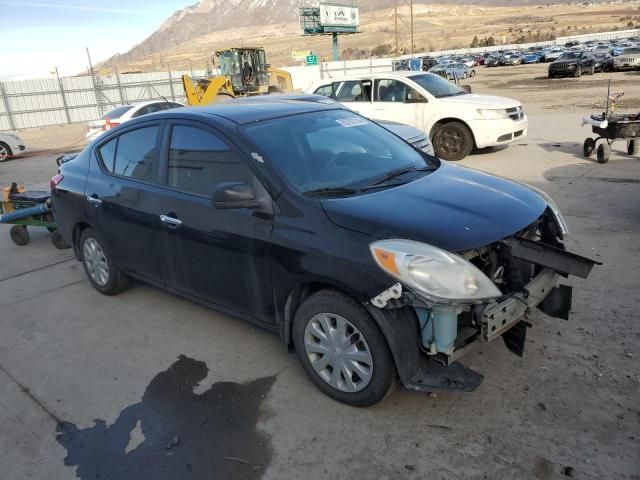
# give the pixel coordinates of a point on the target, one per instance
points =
(338, 352)
(451, 142)
(96, 261)
(3, 153)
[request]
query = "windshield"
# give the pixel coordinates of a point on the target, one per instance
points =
(569, 56)
(117, 113)
(437, 86)
(332, 149)
(629, 51)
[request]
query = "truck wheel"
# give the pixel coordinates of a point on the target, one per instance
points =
(103, 273)
(588, 147)
(633, 146)
(604, 151)
(19, 235)
(578, 72)
(452, 141)
(342, 350)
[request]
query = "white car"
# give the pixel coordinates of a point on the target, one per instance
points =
(126, 112)
(455, 120)
(629, 59)
(10, 145)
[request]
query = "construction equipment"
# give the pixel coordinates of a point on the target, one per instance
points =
(28, 208)
(244, 72)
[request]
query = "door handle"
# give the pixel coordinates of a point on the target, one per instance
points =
(94, 200)
(171, 221)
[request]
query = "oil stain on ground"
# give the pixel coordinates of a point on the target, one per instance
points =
(184, 435)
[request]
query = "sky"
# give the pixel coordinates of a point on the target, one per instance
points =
(38, 35)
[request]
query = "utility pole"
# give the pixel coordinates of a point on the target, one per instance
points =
(395, 16)
(411, 8)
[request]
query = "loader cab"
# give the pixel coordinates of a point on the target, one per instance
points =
(246, 68)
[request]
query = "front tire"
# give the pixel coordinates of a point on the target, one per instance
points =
(5, 152)
(452, 141)
(19, 234)
(578, 72)
(342, 350)
(633, 146)
(100, 268)
(588, 147)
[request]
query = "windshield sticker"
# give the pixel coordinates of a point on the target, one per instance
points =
(352, 122)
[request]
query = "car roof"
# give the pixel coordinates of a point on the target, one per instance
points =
(256, 109)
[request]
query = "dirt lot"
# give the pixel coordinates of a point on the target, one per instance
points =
(102, 386)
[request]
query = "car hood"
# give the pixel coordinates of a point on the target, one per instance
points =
(454, 208)
(482, 101)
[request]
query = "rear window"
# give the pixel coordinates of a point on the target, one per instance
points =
(136, 154)
(117, 113)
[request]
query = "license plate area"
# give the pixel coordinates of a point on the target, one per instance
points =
(497, 318)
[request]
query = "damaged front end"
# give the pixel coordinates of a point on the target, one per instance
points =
(496, 287)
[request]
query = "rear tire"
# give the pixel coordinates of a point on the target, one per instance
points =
(99, 266)
(19, 234)
(452, 141)
(58, 241)
(604, 151)
(332, 325)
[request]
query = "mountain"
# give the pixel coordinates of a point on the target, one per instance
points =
(209, 16)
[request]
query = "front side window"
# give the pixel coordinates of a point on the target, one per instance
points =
(332, 149)
(392, 91)
(136, 154)
(199, 160)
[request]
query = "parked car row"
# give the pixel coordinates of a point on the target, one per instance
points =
(371, 259)
(607, 55)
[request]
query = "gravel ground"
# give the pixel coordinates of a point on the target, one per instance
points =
(105, 373)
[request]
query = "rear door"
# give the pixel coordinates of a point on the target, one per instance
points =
(121, 192)
(219, 255)
(354, 94)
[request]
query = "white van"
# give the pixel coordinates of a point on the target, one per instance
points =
(455, 120)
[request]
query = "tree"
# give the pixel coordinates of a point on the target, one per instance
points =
(475, 42)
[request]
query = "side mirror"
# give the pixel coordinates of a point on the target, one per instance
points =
(234, 195)
(415, 97)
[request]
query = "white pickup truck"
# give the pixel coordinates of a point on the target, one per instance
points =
(455, 120)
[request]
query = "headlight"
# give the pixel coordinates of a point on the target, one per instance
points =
(440, 276)
(562, 224)
(492, 114)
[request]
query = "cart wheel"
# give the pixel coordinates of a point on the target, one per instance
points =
(588, 147)
(604, 150)
(19, 235)
(58, 241)
(633, 147)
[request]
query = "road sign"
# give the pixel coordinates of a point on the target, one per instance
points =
(312, 59)
(300, 55)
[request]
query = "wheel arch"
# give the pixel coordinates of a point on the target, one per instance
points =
(444, 121)
(298, 295)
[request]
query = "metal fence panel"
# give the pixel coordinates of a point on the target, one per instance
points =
(54, 101)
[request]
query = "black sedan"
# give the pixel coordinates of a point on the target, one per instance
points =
(371, 259)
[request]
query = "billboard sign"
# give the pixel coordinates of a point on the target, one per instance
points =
(300, 55)
(334, 15)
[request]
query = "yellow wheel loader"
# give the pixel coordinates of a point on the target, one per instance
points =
(244, 72)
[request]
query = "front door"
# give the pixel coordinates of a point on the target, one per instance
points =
(219, 255)
(396, 101)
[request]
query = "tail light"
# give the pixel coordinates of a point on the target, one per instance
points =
(55, 181)
(108, 124)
